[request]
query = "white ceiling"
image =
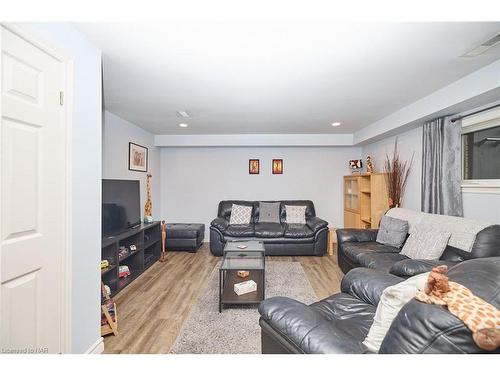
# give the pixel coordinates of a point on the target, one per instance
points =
(237, 76)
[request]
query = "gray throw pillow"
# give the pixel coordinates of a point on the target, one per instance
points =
(269, 212)
(426, 243)
(392, 232)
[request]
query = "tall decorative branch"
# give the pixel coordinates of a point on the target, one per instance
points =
(396, 176)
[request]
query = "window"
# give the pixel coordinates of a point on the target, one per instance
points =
(481, 153)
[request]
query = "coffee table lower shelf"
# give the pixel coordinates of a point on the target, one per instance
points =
(227, 296)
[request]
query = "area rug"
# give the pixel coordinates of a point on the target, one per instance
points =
(236, 330)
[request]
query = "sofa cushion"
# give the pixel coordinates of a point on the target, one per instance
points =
(392, 231)
(412, 267)
(269, 230)
(380, 261)
(354, 249)
(298, 231)
(240, 230)
(337, 324)
(269, 212)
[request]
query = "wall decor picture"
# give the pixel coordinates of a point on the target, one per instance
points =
(137, 157)
(253, 166)
(355, 165)
(277, 166)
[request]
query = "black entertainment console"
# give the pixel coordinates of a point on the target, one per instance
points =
(147, 241)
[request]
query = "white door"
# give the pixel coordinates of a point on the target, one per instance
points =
(32, 189)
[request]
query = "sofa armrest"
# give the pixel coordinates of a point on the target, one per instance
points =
(220, 223)
(315, 223)
(290, 318)
(412, 267)
(356, 235)
(367, 284)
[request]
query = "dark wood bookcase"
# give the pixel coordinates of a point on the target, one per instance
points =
(146, 238)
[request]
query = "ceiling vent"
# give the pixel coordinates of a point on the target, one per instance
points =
(483, 47)
(183, 114)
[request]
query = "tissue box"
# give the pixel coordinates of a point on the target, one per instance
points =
(245, 287)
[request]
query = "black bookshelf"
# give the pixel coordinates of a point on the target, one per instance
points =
(146, 238)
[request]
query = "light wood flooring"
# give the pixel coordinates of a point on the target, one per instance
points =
(152, 309)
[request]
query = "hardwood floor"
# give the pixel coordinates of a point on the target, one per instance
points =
(153, 308)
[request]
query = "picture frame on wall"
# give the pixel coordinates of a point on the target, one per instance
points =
(277, 166)
(253, 166)
(137, 157)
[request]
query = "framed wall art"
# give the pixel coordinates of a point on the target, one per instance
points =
(253, 166)
(277, 166)
(137, 157)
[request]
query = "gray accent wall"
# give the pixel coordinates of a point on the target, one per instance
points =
(195, 179)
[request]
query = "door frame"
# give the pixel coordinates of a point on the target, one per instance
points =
(23, 31)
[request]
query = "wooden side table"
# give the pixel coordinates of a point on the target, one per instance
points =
(331, 240)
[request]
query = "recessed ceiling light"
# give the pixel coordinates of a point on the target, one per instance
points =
(183, 125)
(335, 123)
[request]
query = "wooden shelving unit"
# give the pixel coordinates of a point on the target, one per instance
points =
(146, 238)
(365, 200)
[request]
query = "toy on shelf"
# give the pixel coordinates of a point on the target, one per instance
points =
(109, 316)
(355, 165)
(243, 274)
(123, 271)
(148, 207)
(104, 264)
(369, 165)
(122, 252)
(163, 257)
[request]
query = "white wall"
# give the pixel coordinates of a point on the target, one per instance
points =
(86, 180)
(194, 180)
(482, 206)
(476, 206)
(117, 133)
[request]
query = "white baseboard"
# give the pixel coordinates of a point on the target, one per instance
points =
(97, 347)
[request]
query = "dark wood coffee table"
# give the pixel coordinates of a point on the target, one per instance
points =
(242, 255)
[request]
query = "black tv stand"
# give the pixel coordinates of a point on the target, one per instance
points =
(146, 238)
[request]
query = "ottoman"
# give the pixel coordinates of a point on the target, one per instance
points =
(184, 236)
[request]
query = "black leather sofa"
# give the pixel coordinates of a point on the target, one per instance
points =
(340, 323)
(358, 248)
(279, 238)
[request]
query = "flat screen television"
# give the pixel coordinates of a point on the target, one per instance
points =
(120, 206)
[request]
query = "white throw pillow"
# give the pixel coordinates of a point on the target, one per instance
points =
(391, 302)
(295, 214)
(240, 214)
(425, 243)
